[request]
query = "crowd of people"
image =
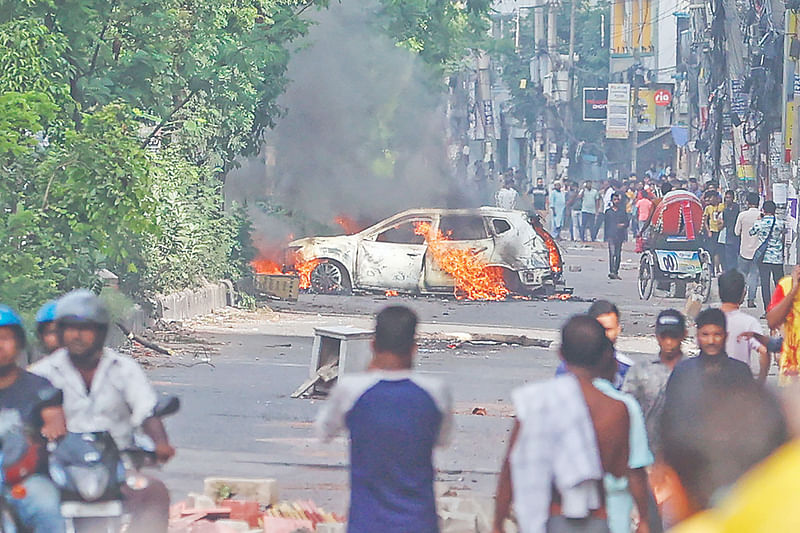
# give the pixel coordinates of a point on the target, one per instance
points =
(737, 229)
(75, 384)
(685, 444)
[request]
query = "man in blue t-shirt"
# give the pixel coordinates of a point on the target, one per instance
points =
(395, 418)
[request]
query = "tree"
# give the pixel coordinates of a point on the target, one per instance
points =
(224, 58)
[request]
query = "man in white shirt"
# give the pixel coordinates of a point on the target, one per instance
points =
(748, 245)
(105, 391)
(506, 197)
(731, 292)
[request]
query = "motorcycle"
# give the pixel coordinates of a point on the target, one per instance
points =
(20, 457)
(90, 471)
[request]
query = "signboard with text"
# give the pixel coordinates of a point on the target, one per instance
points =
(595, 103)
(618, 114)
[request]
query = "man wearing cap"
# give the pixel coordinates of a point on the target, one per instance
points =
(648, 381)
(106, 391)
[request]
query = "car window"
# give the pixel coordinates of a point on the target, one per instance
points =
(402, 233)
(500, 226)
(463, 227)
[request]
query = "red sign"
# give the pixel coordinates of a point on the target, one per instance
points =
(662, 97)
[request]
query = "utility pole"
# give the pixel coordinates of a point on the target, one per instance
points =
(637, 46)
(552, 50)
(569, 122)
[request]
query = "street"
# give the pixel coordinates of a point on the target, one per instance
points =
(238, 418)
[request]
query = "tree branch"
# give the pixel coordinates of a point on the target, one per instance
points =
(97, 49)
(167, 119)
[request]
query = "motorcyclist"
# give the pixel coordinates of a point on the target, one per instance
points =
(46, 329)
(106, 391)
(29, 405)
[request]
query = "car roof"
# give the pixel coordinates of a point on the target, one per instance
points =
(431, 211)
(481, 211)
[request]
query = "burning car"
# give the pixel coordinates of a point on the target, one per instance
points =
(484, 254)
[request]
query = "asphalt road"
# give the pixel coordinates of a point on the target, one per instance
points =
(238, 419)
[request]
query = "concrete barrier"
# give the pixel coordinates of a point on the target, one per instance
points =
(194, 302)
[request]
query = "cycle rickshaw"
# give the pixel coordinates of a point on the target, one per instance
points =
(673, 255)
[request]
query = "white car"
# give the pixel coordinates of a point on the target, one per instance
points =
(392, 255)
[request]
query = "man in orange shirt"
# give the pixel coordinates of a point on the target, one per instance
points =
(784, 310)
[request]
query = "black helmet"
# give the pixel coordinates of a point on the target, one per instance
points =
(82, 306)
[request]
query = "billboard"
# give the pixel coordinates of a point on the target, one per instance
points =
(595, 103)
(618, 114)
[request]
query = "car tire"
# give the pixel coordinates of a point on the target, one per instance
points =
(329, 277)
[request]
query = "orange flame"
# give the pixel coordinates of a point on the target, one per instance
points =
(349, 225)
(474, 280)
(304, 270)
(265, 266)
(391, 293)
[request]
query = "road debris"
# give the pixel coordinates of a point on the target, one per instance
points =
(480, 411)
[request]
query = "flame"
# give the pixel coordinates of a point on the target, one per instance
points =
(474, 280)
(561, 296)
(303, 271)
(391, 293)
(263, 265)
(349, 225)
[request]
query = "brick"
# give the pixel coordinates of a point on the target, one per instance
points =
(249, 511)
(263, 491)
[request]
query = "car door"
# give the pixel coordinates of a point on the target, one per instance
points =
(460, 232)
(391, 257)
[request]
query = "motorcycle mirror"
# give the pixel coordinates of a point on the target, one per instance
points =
(167, 405)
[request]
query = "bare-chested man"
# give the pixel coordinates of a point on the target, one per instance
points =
(567, 435)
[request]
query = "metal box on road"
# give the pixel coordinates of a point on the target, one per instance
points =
(283, 286)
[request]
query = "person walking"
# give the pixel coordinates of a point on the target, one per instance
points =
(616, 231)
(712, 226)
(395, 418)
(589, 200)
(731, 292)
(506, 197)
(539, 195)
(573, 211)
(644, 208)
(647, 380)
(566, 436)
(769, 254)
(748, 244)
(730, 248)
(558, 206)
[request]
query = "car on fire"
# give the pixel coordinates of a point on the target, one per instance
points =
(392, 255)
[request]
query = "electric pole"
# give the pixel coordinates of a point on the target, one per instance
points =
(552, 50)
(637, 45)
(570, 118)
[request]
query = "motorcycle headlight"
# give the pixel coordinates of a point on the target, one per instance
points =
(91, 482)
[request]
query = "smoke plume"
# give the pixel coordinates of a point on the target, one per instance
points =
(365, 133)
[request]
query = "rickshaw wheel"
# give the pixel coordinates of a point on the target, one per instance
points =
(705, 279)
(646, 276)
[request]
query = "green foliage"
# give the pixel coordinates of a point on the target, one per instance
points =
(226, 57)
(198, 241)
(442, 32)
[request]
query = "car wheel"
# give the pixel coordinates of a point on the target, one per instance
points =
(329, 278)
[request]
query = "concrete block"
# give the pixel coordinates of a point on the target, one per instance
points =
(199, 501)
(190, 303)
(454, 522)
(237, 526)
(263, 491)
(331, 527)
